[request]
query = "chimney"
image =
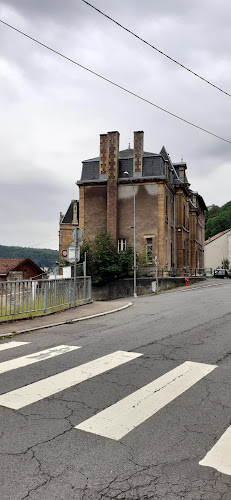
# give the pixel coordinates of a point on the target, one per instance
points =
(182, 168)
(112, 184)
(74, 211)
(103, 163)
(138, 153)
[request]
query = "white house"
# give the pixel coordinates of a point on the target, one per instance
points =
(217, 249)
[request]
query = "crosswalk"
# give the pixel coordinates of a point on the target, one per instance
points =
(121, 418)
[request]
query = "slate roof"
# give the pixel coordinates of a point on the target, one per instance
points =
(153, 165)
(124, 154)
(68, 217)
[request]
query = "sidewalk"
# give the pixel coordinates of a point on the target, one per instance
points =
(87, 311)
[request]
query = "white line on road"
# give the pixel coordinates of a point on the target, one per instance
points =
(219, 457)
(35, 358)
(122, 417)
(47, 387)
(10, 345)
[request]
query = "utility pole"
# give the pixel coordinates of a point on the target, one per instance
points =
(134, 267)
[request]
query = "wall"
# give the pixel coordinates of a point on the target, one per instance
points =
(124, 288)
(146, 197)
(95, 210)
(217, 250)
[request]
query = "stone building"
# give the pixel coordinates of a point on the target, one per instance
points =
(67, 223)
(169, 215)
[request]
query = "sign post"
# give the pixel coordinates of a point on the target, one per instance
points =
(76, 235)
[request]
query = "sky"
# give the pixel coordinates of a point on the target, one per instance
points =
(52, 111)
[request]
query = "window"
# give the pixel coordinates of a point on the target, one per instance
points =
(149, 250)
(121, 244)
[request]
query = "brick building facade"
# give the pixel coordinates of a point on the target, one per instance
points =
(169, 215)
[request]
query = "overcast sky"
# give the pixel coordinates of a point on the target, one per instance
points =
(52, 111)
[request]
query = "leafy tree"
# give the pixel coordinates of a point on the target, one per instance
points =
(104, 264)
(225, 264)
(43, 257)
(217, 219)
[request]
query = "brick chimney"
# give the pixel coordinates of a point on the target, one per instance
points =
(138, 153)
(74, 218)
(103, 164)
(182, 168)
(112, 184)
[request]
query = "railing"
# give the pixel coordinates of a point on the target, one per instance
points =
(27, 296)
(180, 272)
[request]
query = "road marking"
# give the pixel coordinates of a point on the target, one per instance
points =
(10, 345)
(122, 417)
(35, 358)
(47, 387)
(219, 457)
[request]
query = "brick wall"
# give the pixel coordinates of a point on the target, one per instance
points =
(112, 184)
(138, 152)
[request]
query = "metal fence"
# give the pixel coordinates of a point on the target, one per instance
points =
(180, 272)
(27, 296)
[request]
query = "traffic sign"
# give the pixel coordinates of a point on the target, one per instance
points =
(77, 234)
(64, 253)
(134, 268)
(71, 254)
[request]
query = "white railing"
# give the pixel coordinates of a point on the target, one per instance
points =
(27, 296)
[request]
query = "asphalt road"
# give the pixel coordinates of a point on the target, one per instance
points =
(144, 399)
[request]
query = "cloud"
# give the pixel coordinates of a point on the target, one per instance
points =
(52, 111)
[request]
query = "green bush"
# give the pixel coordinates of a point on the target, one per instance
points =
(104, 264)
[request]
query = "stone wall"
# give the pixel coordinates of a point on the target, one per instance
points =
(124, 288)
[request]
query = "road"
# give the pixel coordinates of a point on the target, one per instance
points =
(133, 405)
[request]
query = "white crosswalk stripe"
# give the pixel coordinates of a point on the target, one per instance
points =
(124, 416)
(127, 414)
(219, 457)
(30, 359)
(47, 387)
(11, 345)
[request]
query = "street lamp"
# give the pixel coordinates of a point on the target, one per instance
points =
(134, 233)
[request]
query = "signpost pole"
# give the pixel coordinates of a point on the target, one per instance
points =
(85, 274)
(75, 268)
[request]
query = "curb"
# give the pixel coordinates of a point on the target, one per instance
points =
(68, 322)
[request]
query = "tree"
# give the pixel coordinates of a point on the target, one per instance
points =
(104, 264)
(225, 264)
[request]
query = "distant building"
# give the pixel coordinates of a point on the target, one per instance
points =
(169, 215)
(67, 223)
(217, 249)
(15, 269)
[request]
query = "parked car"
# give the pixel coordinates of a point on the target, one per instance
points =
(221, 273)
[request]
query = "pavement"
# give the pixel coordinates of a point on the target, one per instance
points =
(128, 406)
(83, 312)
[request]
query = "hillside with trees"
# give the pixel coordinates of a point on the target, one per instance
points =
(217, 219)
(43, 257)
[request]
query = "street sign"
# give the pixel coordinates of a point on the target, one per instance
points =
(71, 254)
(77, 234)
(79, 244)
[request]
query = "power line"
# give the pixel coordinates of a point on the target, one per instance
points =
(158, 50)
(113, 83)
(43, 243)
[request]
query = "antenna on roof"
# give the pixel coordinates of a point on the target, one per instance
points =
(182, 159)
(129, 146)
